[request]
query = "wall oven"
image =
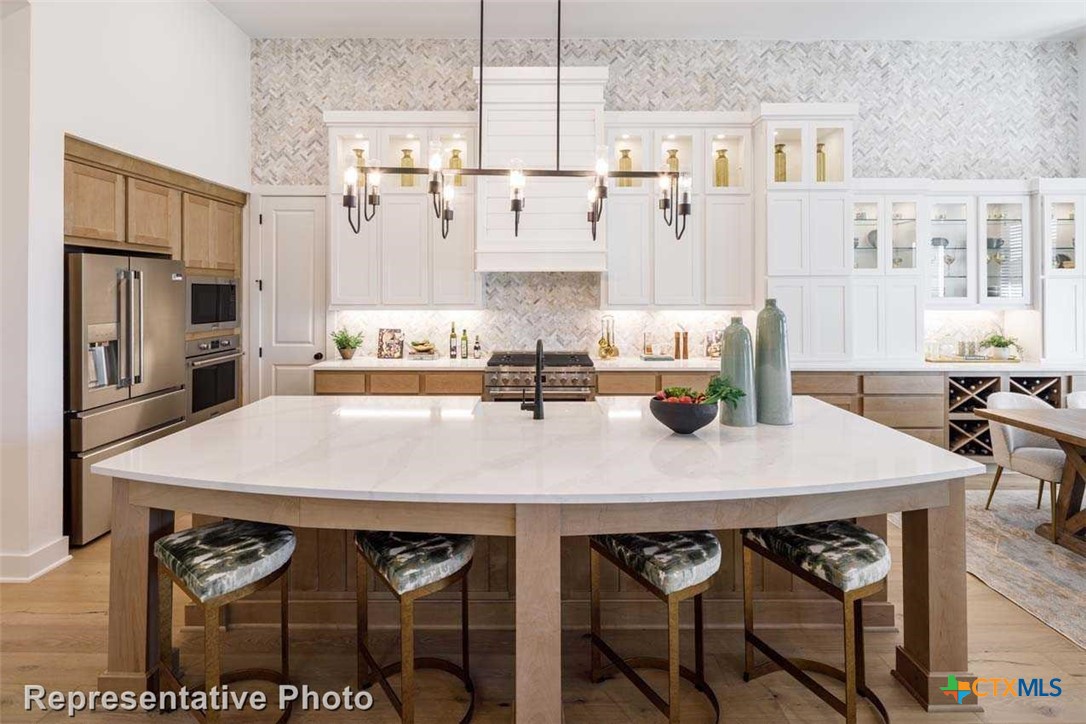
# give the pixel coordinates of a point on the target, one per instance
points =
(214, 377)
(211, 303)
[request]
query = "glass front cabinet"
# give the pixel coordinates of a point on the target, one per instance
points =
(1062, 229)
(951, 251)
(1004, 242)
(885, 235)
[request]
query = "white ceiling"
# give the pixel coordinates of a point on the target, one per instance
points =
(768, 19)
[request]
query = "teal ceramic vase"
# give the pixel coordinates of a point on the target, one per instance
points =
(737, 366)
(772, 376)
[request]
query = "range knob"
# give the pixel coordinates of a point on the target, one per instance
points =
(203, 346)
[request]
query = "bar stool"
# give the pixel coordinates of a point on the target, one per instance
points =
(673, 567)
(412, 565)
(840, 558)
(215, 565)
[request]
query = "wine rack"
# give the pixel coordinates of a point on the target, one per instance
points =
(1044, 388)
(967, 394)
(968, 434)
(970, 437)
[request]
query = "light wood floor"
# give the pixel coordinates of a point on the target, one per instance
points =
(53, 633)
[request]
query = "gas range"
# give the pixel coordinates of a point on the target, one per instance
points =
(566, 376)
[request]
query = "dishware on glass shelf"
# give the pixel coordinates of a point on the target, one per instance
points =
(1063, 261)
(407, 161)
(996, 243)
(780, 163)
(683, 418)
(720, 168)
(772, 374)
(872, 238)
(737, 366)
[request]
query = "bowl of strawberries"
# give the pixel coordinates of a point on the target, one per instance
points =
(687, 410)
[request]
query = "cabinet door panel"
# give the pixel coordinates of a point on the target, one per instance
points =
(196, 231)
(1065, 319)
(829, 315)
(792, 298)
(829, 234)
(729, 252)
(93, 203)
(904, 318)
(225, 235)
(629, 250)
(404, 249)
(868, 313)
(154, 215)
(354, 273)
(786, 233)
(454, 281)
(676, 262)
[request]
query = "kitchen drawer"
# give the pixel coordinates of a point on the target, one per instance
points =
(626, 383)
(900, 411)
(849, 403)
(696, 380)
(904, 384)
(453, 383)
(395, 383)
(339, 383)
(935, 435)
(814, 383)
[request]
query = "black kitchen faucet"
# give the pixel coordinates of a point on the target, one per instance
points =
(536, 406)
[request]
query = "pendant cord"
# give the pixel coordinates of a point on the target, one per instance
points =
(558, 96)
(479, 141)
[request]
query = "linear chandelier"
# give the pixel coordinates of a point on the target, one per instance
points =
(362, 199)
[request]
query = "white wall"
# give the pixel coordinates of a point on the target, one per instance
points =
(166, 81)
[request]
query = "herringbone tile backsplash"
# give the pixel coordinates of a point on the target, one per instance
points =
(931, 109)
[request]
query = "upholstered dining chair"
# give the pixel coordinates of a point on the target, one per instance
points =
(1076, 400)
(1023, 451)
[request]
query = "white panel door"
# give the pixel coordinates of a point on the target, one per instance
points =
(353, 269)
(404, 249)
(904, 317)
(792, 295)
(786, 233)
(829, 318)
(1065, 320)
(292, 302)
(677, 262)
(829, 237)
(729, 252)
(454, 281)
(868, 313)
(629, 250)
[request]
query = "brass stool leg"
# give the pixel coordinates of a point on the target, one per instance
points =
(850, 658)
(699, 641)
(362, 612)
(212, 663)
(464, 641)
(594, 608)
(748, 613)
(284, 624)
(861, 665)
(407, 661)
(673, 695)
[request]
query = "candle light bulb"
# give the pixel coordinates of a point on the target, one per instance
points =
(435, 156)
(373, 175)
(516, 179)
(350, 177)
(449, 193)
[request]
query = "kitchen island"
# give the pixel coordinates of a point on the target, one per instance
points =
(458, 465)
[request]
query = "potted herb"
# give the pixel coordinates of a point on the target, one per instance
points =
(346, 342)
(1000, 345)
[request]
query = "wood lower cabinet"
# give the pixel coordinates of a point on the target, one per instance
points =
(154, 215)
(211, 234)
(359, 382)
(339, 383)
(94, 203)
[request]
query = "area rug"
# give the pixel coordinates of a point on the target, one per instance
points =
(1003, 551)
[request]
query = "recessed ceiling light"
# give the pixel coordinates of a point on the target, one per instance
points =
(359, 135)
(719, 136)
(671, 136)
(410, 135)
(625, 136)
(456, 135)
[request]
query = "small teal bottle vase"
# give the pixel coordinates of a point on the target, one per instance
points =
(772, 375)
(737, 366)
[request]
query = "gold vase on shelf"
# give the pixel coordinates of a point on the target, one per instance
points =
(780, 163)
(673, 159)
(625, 163)
(407, 179)
(456, 163)
(720, 175)
(820, 162)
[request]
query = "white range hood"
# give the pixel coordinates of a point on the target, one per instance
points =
(519, 122)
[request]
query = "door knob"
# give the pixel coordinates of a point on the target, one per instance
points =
(318, 356)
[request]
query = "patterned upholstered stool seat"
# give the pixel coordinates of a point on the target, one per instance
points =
(214, 560)
(409, 561)
(839, 552)
(669, 561)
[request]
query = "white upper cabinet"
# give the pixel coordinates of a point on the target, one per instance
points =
(829, 233)
(787, 229)
(1004, 237)
(353, 260)
(885, 235)
(1065, 319)
(806, 145)
(453, 280)
(629, 223)
(729, 252)
(1063, 231)
(677, 263)
(952, 252)
(405, 264)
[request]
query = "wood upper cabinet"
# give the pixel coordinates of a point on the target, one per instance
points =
(154, 215)
(93, 203)
(211, 233)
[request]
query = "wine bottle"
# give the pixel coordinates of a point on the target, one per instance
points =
(477, 351)
(452, 342)
(464, 344)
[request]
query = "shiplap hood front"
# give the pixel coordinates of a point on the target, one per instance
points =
(519, 122)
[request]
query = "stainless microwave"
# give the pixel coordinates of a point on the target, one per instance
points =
(211, 303)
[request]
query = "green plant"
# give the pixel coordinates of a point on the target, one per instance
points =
(344, 339)
(721, 390)
(997, 340)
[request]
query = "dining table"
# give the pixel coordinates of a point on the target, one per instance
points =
(1068, 428)
(462, 465)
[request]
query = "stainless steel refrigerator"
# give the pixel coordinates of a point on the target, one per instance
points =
(125, 358)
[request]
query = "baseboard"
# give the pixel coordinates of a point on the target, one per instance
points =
(25, 567)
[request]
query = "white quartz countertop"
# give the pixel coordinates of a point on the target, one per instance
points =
(459, 449)
(705, 364)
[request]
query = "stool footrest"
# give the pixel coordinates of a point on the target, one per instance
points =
(798, 668)
(167, 677)
(629, 665)
(421, 662)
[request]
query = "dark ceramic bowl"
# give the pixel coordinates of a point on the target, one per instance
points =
(683, 419)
